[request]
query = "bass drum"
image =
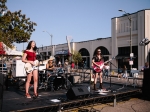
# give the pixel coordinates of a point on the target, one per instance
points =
(56, 82)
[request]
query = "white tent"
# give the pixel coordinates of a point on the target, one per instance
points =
(13, 52)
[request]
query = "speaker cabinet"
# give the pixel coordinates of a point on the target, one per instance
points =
(75, 79)
(1, 79)
(149, 59)
(78, 92)
(1, 97)
(146, 83)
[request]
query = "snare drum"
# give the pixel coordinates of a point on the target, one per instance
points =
(56, 81)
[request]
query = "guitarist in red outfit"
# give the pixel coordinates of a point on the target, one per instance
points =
(97, 59)
(29, 56)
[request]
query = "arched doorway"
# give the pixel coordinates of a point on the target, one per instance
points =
(85, 57)
(105, 53)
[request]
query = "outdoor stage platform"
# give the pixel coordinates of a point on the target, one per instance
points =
(49, 101)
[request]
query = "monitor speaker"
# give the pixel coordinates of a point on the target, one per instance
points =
(78, 92)
(146, 84)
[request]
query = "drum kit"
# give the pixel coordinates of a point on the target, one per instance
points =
(53, 82)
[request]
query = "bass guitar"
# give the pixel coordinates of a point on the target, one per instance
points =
(29, 67)
(101, 65)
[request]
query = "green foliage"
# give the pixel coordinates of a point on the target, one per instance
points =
(77, 57)
(14, 26)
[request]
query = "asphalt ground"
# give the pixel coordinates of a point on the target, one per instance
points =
(130, 105)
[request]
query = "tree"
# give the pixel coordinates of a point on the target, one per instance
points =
(14, 26)
(77, 57)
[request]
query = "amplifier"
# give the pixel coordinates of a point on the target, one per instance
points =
(75, 79)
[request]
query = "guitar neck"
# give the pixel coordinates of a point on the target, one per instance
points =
(107, 61)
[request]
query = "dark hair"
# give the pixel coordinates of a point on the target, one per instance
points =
(29, 46)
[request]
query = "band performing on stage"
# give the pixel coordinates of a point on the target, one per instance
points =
(54, 76)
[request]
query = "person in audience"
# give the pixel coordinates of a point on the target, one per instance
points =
(125, 75)
(119, 72)
(146, 66)
(60, 70)
(106, 70)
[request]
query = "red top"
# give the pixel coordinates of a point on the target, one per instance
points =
(72, 65)
(31, 56)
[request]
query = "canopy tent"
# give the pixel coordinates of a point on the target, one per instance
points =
(13, 52)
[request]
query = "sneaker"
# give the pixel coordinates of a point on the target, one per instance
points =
(28, 95)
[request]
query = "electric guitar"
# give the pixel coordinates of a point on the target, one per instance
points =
(29, 67)
(101, 65)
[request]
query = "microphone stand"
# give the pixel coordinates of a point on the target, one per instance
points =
(110, 75)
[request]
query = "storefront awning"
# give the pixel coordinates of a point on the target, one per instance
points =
(119, 56)
(61, 53)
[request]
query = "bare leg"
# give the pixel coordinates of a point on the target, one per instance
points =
(28, 82)
(100, 78)
(35, 78)
(95, 78)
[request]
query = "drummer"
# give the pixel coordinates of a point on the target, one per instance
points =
(50, 67)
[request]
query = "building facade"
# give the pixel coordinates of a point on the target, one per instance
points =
(118, 45)
(120, 32)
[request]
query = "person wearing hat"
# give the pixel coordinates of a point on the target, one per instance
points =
(50, 67)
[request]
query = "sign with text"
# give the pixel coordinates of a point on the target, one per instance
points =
(65, 52)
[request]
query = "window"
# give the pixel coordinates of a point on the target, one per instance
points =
(127, 27)
(124, 27)
(84, 52)
(49, 53)
(124, 52)
(132, 25)
(136, 25)
(121, 28)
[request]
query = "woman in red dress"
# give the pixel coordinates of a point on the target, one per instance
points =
(29, 57)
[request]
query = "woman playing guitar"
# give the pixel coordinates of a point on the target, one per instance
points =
(29, 56)
(96, 60)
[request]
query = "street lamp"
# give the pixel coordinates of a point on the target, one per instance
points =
(129, 17)
(49, 35)
(145, 42)
(51, 40)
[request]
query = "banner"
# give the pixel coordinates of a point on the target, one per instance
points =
(68, 41)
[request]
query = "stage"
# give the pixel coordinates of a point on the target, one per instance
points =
(51, 101)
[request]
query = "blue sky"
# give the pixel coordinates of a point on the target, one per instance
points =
(81, 19)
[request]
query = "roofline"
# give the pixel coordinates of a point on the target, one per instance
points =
(94, 39)
(130, 13)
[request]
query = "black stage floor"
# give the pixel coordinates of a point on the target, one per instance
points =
(14, 99)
